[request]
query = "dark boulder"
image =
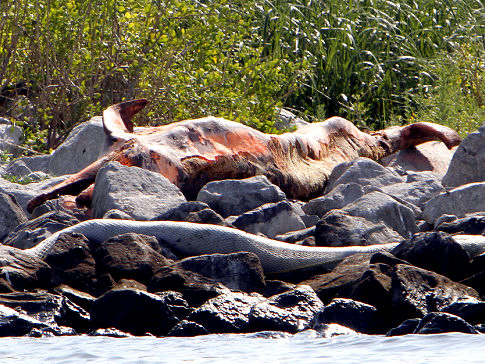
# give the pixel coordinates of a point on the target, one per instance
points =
(188, 329)
(437, 252)
(406, 327)
(130, 256)
(472, 225)
(133, 311)
(441, 322)
(472, 311)
(13, 323)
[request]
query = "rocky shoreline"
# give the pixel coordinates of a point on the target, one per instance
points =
(135, 285)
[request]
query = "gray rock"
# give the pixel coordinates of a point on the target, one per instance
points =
(10, 136)
(234, 197)
(338, 228)
(295, 236)
(117, 214)
(82, 147)
(270, 219)
(140, 193)
(36, 163)
(378, 207)
(288, 120)
(467, 164)
(471, 225)
(11, 215)
(17, 168)
(227, 313)
(292, 311)
(30, 233)
(364, 172)
(459, 201)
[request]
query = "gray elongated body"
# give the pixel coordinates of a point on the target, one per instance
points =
(192, 239)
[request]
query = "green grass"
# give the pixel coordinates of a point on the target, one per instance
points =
(374, 62)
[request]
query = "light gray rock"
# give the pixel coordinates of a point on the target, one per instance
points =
(82, 147)
(270, 219)
(234, 197)
(378, 207)
(364, 172)
(11, 215)
(36, 163)
(10, 136)
(140, 193)
(17, 168)
(467, 165)
(288, 120)
(459, 202)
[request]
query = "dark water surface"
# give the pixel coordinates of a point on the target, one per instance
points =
(301, 348)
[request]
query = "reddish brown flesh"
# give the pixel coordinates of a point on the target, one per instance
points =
(193, 152)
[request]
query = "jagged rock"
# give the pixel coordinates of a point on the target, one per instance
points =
(13, 323)
(227, 313)
(467, 163)
(296, 236)
(459, 201)
(355, 315)
(140, 193)
(82, 299)
(234, 197)
(364, 172)
(416, 292)
(431, 156)
(11, 215)
(437, 252)
(338, 228)
(291, 311)
(269, 219)
(53, 310)
(206, 216)
(72, 263)
(131, 256)
(10, 136)
(237, 271)
(472, 225)
(81, 148)
(470, 310)
(441, 322)
(133, 311)
(188, 329)
(23, 271)
(32, 232)
(176, 302)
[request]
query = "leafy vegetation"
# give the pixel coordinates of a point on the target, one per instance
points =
(374, 62)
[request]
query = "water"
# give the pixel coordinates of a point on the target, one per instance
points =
(301, 348)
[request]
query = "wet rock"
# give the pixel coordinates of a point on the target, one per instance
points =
(140, 193)
(81, 148)
(23, 271)
(437, 252)
(338, 228)
(13, 323)
(269, 219)
(441, 322)
(188, 329)
(227, 313)
(11, 215)
(467, 163)
(133, 311)
(355, 315)
(470, 310)
(131, 256)
(176, 302)
(459, 201)
(82, 299)
(431, 156)
(405, 328)
(291, 311)
(53, 310)
(472, 225)
(32, 232)
(72, 263)
(110, 332)
(234, 197)
(416, 292)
